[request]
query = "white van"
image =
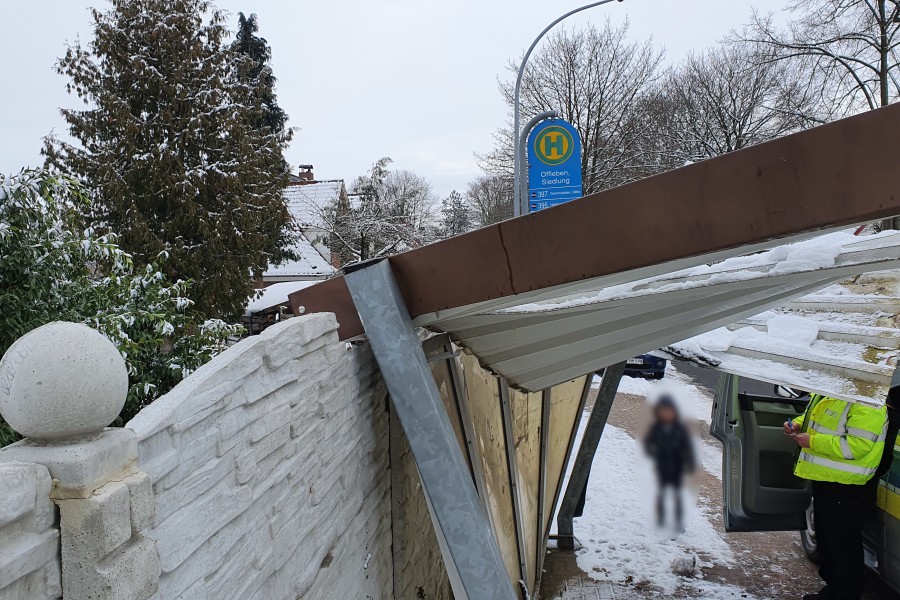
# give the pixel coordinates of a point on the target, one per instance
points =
(761, 492)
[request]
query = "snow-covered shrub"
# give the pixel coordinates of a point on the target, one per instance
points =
(53, 269)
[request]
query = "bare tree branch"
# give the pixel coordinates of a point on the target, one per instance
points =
(856, 35)
(385, 211)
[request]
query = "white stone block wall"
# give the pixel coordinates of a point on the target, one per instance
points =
(270, 471)
(419, 570)
(88, 542)
(29, 535)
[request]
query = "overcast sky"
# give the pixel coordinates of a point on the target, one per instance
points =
(415, 80)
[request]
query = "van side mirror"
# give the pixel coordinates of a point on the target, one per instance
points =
(784, 391)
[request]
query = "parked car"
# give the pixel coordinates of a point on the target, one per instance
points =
(760, 490)
(646, 365)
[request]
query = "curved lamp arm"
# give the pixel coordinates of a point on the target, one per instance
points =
(518, 203)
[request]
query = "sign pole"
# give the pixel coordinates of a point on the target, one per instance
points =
(517, 158)
(522, 150)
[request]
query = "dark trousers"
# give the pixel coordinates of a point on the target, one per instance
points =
(666, 481)
(840, 511)
(661, 505)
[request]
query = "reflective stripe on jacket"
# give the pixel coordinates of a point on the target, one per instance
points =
(846, 441)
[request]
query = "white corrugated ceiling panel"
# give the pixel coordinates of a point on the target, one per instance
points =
(842, 341)
(541, 344)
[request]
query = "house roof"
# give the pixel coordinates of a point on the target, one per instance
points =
(275, 295)
(310, 264)
(304, 200)
(553, 295)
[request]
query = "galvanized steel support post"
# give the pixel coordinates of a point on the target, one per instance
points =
(469, 548)
(585, 457)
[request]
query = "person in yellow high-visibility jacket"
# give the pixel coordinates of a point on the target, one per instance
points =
(841, 445)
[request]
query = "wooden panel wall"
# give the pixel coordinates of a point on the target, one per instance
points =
(473, 399)
(487, 418)
(526, 413)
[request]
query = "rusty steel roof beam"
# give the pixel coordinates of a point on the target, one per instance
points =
(836, 175)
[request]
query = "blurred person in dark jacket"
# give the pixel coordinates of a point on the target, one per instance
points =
(668, 444)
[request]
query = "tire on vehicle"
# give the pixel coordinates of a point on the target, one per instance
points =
(808, 536)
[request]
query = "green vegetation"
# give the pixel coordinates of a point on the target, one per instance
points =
(53, 268)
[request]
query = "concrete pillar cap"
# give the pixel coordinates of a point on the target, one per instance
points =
(62, 381)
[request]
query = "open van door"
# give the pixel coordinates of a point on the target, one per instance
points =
(760, 490)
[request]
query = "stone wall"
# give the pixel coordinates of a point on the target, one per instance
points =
(274, 471)
(270, 471)
(419, 570)
(29, 537)
(94, 547)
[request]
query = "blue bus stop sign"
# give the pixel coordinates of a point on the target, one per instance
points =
(554, 164)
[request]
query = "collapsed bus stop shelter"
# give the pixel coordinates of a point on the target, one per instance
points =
(539, 303)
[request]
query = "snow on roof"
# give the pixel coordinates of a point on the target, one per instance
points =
(573, 330)
(819, 253)
(303, 200)
(842, 341)
(310, 264)
(275, 294)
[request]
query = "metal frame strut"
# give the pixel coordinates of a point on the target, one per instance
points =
(468, 545)
(585, 457)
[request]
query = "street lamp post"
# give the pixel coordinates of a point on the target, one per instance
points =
(519, 196)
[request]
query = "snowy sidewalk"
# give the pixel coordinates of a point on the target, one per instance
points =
(621, 543)
(625, 556)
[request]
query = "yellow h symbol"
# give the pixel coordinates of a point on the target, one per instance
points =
(554, 145)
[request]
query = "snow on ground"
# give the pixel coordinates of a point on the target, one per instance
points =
(693, 402)
(620, 543)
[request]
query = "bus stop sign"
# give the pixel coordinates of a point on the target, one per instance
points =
(554, 164)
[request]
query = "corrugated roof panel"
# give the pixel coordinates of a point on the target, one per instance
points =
(540, 344)
(842, 341)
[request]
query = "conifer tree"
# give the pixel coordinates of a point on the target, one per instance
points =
(169, 147)
(456, 216)
(257, 73)
(252, 56)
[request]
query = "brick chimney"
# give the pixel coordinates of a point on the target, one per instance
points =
(306, 174)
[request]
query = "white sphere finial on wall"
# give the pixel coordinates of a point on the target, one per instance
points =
(62, 381)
